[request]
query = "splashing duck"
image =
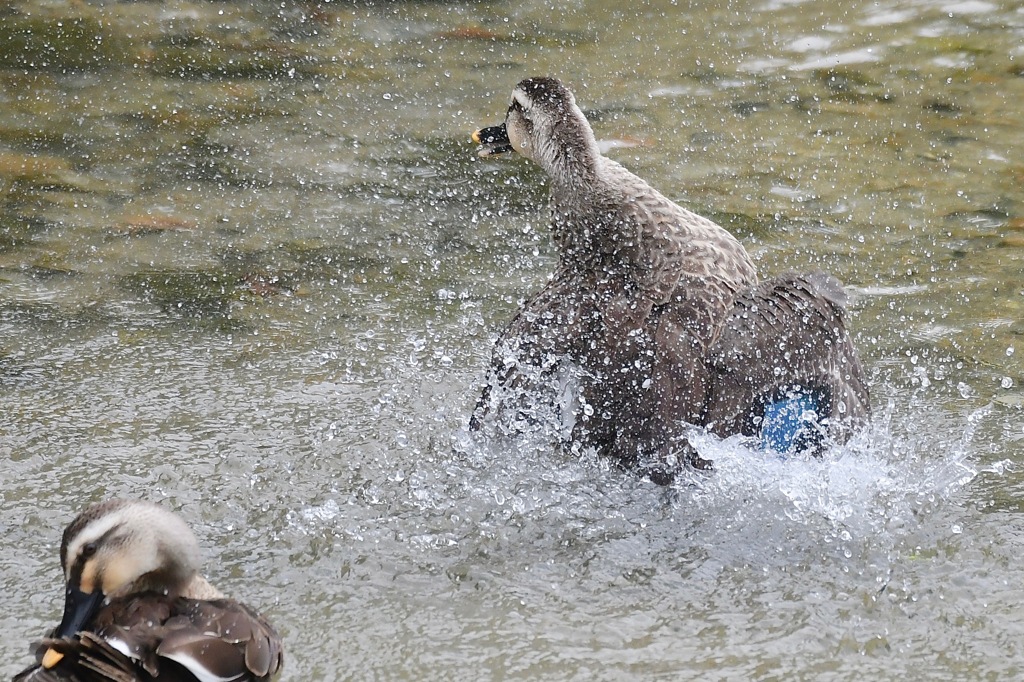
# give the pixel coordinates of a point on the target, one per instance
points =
(662, 314)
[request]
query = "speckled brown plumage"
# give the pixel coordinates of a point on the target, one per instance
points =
(660, 309)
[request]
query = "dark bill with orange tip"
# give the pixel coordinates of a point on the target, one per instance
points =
(79, 608)
(493, 140)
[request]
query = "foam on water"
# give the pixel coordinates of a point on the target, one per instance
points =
(865, 495)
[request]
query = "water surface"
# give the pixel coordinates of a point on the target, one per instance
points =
(250, 265)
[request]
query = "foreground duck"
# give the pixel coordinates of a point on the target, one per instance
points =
(138, 610)
(660, 316)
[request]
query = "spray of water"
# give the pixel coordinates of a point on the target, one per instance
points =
(523, 500)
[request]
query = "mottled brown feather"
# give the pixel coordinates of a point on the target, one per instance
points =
(803, 316)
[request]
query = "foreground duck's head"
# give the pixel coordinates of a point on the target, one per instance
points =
(543, 124)
(117, 548)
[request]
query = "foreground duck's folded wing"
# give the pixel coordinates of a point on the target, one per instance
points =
(221, 639)
(151, 636)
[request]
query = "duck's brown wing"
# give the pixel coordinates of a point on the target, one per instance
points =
(153, 637)
(530, 349)
(784, 334)
(224, 638)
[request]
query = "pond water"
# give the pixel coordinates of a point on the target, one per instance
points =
(250, 265)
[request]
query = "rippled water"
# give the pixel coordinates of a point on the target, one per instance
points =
(250, 265)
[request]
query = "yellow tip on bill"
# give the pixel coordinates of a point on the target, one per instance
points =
(51, 658)
(476, 136)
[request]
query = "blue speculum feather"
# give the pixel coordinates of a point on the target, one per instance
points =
(790, 425)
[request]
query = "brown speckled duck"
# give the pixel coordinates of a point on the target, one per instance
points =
(137, 609)
(661, 313)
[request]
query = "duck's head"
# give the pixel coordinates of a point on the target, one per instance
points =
(117, 548)
(543, 124)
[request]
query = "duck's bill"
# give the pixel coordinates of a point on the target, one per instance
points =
(493, 140)
(79, 608)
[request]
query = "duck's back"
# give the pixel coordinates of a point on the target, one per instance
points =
(663, 252)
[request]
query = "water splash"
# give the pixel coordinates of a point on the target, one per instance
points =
(480, 505)
(879, 476)
(864, 497)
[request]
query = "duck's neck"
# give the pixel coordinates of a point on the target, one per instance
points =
(586, 212)
(573, 170)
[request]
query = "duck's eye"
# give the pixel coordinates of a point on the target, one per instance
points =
(88, 550)
(521, 115)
